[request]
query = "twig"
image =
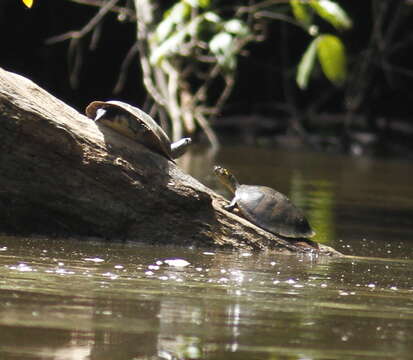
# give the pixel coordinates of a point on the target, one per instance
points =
(255, 7)
(388, 38)
(277, 16)
(200, 93)
(229, 85)
(124, 11)
(295, 119)
(123, 72)
(356, 91)
(87, 28)
(173, 107)
(203, 123)
(97, 32)
(75, 53)
(144, 15)
(396, 69)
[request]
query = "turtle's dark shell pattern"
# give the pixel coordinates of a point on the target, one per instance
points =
(133, 123)
(272, 211)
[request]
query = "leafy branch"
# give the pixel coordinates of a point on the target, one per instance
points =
(189, 53)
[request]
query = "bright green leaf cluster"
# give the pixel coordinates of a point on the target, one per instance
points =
(176, 26)
(190, 27)
(178, 14)
(331, 54)
(180, 27)
(223, 44)
(329, 49)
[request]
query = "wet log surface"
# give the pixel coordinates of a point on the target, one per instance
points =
(63, 175)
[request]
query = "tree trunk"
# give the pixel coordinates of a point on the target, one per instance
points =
(63, 175)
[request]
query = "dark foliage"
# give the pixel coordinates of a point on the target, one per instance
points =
(378, 90)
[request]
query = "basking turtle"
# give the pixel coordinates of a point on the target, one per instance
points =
(137, 125)
(266, 207)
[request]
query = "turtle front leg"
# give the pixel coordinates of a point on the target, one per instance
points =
(232, 204)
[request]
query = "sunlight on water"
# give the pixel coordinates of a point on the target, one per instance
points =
(360, 206)
(77, 300)
(73, 300)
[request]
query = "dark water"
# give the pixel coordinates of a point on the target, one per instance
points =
(93, 300)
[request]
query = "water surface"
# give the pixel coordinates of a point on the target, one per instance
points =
(71, 299)
(361, 206)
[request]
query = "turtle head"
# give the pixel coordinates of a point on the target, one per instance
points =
(179, 147)
(226, 178)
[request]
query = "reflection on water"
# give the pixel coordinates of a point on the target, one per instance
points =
(72, 300)
(359, 206)
(318, 203)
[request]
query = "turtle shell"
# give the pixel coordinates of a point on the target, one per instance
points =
(133, 123)
(272, 211)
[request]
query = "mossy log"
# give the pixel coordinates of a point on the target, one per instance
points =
(63, 175)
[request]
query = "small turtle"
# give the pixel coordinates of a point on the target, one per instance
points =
(265, 207)
(136, 125)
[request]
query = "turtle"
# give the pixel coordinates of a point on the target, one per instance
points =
(136, 125)
(265, 207)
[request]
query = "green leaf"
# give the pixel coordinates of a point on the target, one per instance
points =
(28, 3)
(191, 3)
(204, 3)
(179, 12)
(198, 3)
(332, 12)
(236, 27)
(175, 15)
(300, 12)
(221, 45)
(166, 48)
(173, 43)
(332, 56)
(212, 17)
(164, 29)
(306, 65)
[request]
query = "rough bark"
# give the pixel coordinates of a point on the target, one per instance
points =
(62, 175)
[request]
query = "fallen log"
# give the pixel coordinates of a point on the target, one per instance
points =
(63, 175)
